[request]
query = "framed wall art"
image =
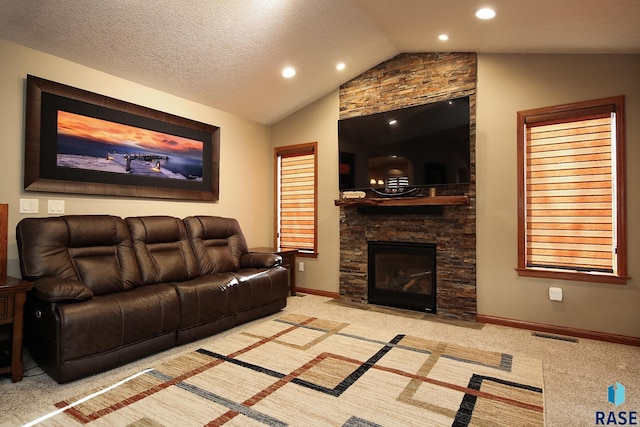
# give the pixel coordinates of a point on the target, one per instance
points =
(85, 143)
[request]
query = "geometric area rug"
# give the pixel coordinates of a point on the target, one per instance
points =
(304, 371)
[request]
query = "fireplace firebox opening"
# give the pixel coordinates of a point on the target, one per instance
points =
(402, 274)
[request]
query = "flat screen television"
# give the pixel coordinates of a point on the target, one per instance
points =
(409, 148)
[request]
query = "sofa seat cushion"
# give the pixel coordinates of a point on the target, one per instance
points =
(207, 298)
(261, 286)
(108, 322)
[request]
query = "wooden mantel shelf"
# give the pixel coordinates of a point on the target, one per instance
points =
(404, 201)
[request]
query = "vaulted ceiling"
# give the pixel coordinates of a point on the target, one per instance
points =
(229, 54)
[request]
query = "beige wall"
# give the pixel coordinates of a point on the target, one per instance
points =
(244, 144)
(318, 122)
(506, 84)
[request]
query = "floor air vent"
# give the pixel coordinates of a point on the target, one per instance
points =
(554, 337)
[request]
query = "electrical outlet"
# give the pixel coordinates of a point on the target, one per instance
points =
(555, 294)
(300, 266)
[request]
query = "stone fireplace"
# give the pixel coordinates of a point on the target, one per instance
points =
(408, 80)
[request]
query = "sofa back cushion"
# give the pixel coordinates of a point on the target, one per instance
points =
(163, 250)
(93, 249)
(218, 243)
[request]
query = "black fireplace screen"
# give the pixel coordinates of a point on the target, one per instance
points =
(402, 274)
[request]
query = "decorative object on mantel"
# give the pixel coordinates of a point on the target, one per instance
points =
(396, 191)
(404, 201)
(396, 186)
(353, 194)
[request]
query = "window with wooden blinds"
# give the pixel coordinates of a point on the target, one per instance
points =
(296, 197)
(571, 191)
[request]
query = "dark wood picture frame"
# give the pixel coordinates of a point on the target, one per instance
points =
(41, 173)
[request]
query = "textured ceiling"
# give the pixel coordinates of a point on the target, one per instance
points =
(229, 54)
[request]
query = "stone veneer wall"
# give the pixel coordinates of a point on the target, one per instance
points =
(404, 81)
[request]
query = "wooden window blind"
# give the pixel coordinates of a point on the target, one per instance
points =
(297, 182)
(571, 192)
(569, 195)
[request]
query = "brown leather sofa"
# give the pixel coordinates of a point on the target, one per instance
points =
(107, 290)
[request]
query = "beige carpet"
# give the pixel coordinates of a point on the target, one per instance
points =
(577, 375)
(301, 370)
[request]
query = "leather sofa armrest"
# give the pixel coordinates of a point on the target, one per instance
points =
(54, 289)
(259, 259)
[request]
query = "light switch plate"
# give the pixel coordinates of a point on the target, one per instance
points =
(55, 207)
(28, 205)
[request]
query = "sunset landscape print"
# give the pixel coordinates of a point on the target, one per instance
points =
(89, 143)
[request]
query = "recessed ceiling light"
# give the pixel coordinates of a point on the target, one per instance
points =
(393, 122)
(341, 66)
(485, 13)
(443, 37)
(288, 72)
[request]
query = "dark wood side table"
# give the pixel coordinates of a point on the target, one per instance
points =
(288, 261)
(13, 293)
